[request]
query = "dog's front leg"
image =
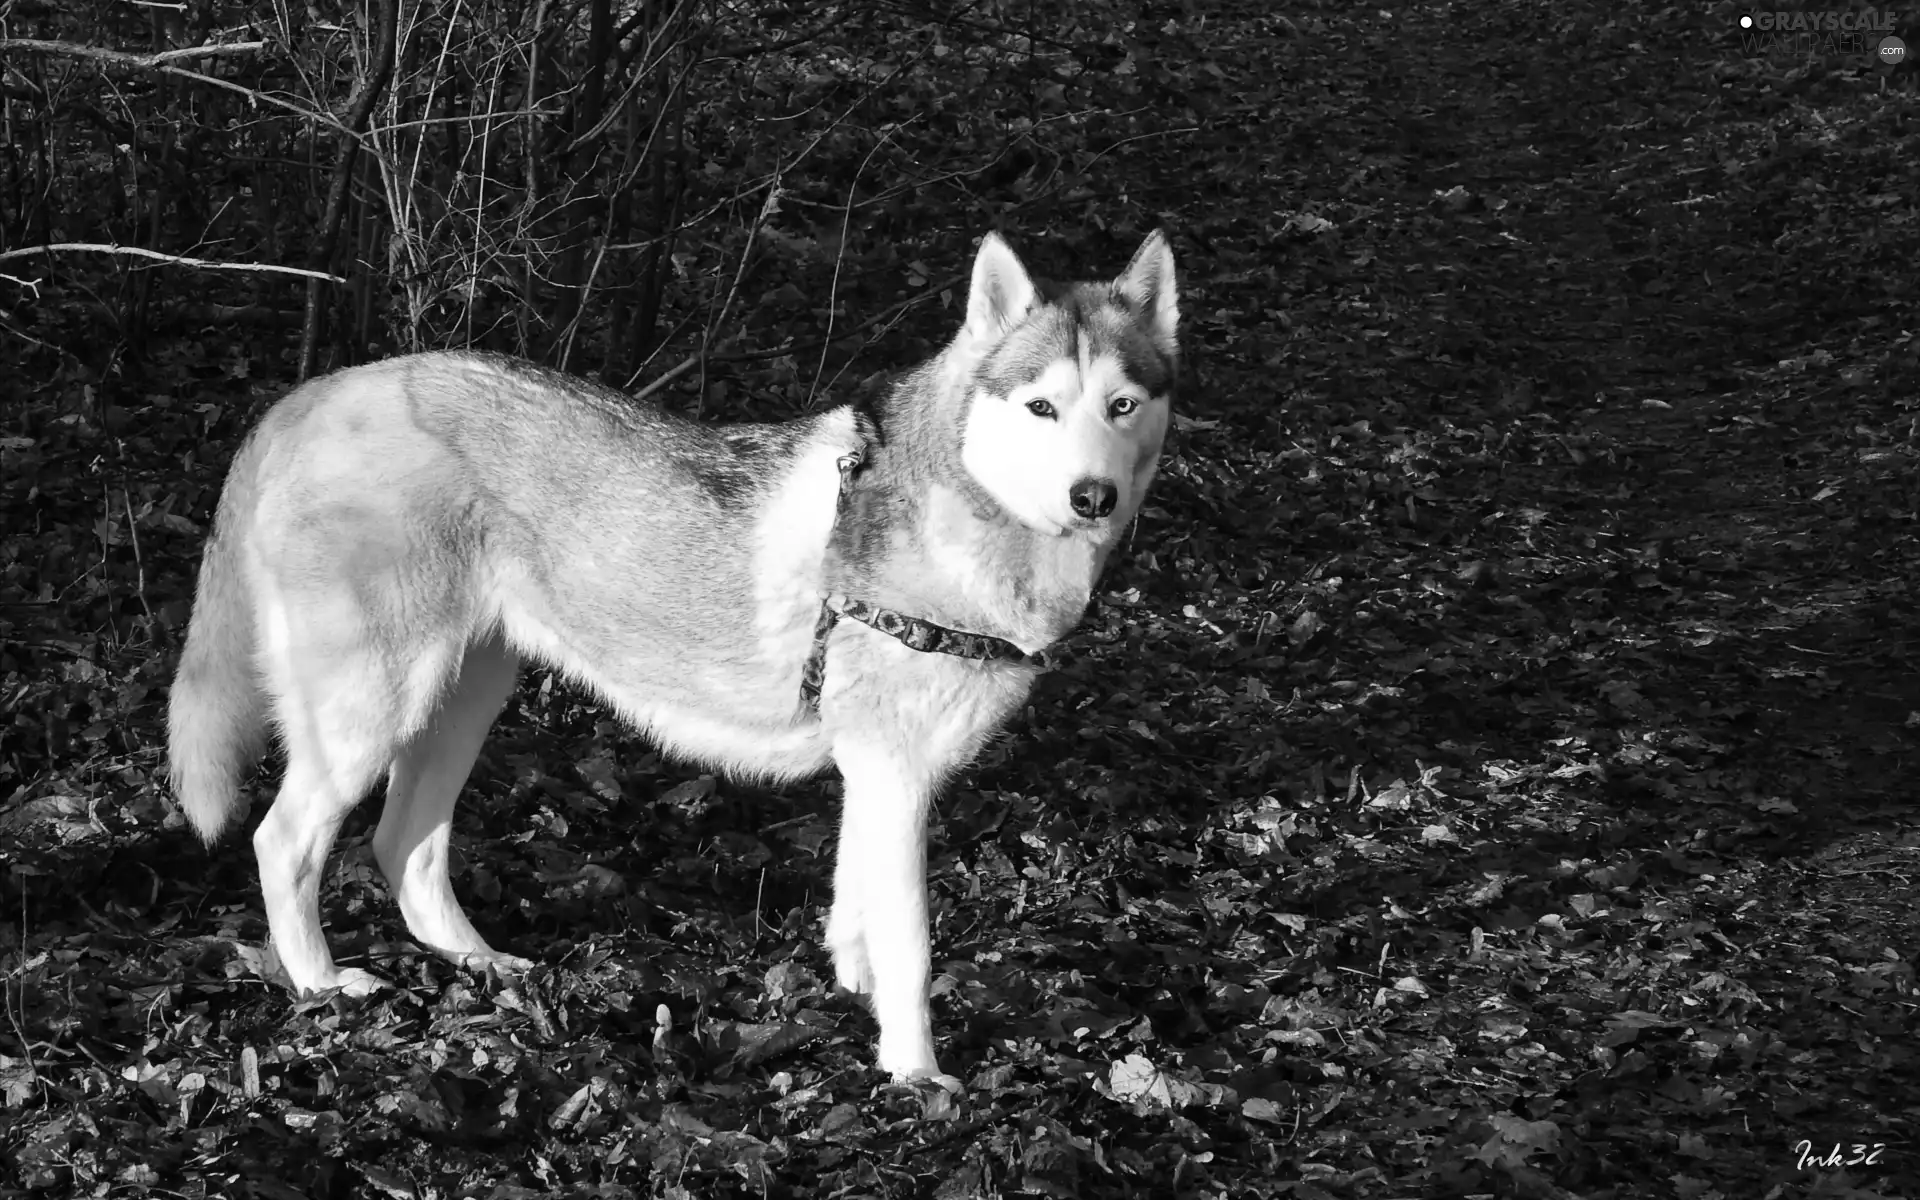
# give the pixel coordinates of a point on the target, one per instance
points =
(877, 930)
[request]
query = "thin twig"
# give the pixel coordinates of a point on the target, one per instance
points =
(676, 371)
(833, 288)
(767, 208)
(23, 335)
(469, 119)
(885, 315)
(178, 260)
(139, 563)
(1138, 137)
(774, 194)
(161, 62)
(17, 1019)
(885, 328)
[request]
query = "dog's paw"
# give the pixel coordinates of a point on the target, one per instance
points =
(925, 1080)
(493, 962)
(931, 1077)
(347, 981)
(910, 1059)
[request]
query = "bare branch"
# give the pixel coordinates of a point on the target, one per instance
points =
(161, 62)
(121, 57)
(206, 51)
(359, 112)
(178, 260)
(666, 377)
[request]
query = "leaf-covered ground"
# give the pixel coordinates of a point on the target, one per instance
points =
(1488, 773)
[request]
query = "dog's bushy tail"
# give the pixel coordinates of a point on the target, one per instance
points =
(217, 714)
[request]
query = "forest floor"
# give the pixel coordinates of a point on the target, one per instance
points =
(1485, 774)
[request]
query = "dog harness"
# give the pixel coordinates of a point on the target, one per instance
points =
(916, 633)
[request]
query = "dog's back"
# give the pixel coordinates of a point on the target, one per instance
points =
(380, 519)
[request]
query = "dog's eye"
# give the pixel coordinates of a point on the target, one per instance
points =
(1040, 408)
(1122, 405)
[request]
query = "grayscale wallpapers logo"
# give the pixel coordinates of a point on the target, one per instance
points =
(1797, 33)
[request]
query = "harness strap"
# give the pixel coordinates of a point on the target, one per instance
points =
(913, 632)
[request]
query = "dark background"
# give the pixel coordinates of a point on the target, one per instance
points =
(1488, 772)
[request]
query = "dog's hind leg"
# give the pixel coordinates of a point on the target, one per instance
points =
(428, 773)
(877, 930)
(340, 703)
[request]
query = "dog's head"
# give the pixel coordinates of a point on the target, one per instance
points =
(1072, 388)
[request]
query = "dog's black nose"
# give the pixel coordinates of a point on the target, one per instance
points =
(1094, 498)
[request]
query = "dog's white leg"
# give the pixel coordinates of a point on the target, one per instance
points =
(428, 773)
(846, 934)
(332, 761)
(349, 686)
(878, 927)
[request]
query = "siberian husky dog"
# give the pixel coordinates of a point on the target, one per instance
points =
(395, 538)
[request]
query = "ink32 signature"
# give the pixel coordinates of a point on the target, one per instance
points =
(1856, 1154)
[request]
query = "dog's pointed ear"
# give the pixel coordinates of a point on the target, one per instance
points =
(1002, 291)
(1147, 287)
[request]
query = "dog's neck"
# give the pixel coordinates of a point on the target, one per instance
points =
(920, 535)
(1003, 577)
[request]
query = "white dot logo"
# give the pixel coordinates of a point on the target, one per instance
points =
(1746, 22)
